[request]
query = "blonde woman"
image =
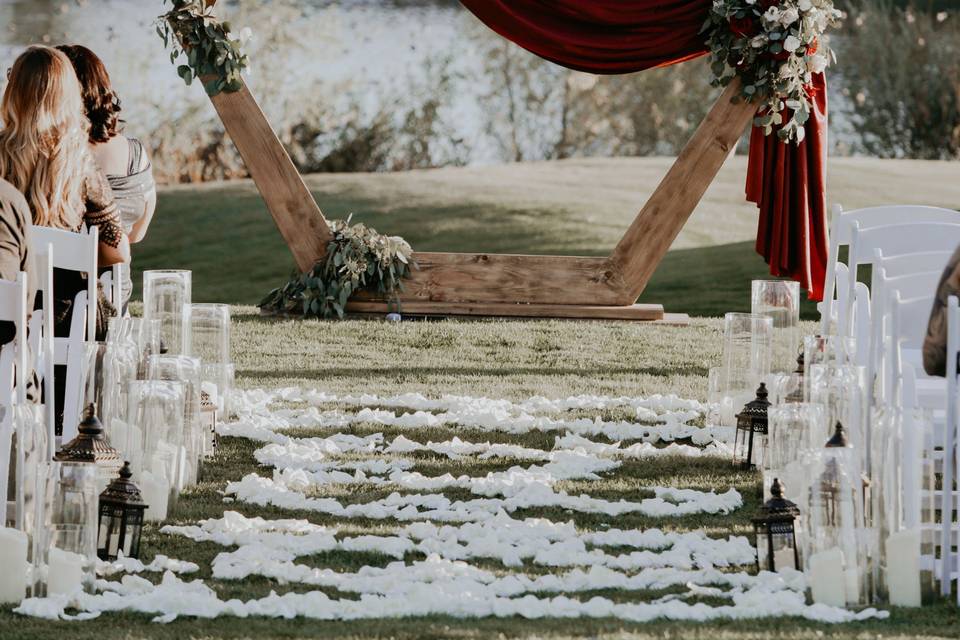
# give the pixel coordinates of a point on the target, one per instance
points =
(44, 153)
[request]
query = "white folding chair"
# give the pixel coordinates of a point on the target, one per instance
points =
(14, 375)
(76, 252)
(841, 229)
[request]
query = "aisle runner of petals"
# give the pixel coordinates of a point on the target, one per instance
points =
(451, 532)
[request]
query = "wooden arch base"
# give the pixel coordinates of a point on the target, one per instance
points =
(479, 284)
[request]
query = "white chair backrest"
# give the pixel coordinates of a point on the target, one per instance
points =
(13, 370)
(897, 240)
(841, 230)
(908, 286)
(43, 261)
(906, 264)
(13, 308)
(75, 252)
(76, 362)
(947, 552)
(841, 227)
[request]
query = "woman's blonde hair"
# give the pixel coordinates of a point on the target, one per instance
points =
(43, 143)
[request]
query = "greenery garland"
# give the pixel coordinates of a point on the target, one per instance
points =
(775, 47)
(189, 29)
(357, 259)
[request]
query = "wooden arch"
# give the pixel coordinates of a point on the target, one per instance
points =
(485, 284)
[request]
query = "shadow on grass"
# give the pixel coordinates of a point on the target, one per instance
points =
(473, 372)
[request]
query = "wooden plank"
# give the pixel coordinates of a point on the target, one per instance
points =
(490, 277)
(639, 312)
(299, 219)
(655, 228)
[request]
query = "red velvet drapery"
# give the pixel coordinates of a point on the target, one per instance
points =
(787, 181)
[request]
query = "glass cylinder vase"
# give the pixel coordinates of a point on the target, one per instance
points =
(166, 297)
(780, 300)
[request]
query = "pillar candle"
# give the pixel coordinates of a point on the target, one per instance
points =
(13, 559)
(64, 572)
(827, 582)
(903, 568)
(156, 493)
(784, 559)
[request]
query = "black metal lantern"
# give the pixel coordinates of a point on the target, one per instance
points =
(832, 485)
(208, 425)
(797, 393)
(751, 439)
(121, 518)
(91, 445)
(776, 533)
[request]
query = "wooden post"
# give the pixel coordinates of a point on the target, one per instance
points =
(299, 219)
(655, 228)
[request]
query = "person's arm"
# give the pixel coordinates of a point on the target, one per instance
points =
(15, 248)
(935, 342)
(139, 229)
(102, 213)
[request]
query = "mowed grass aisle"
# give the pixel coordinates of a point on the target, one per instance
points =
(513, 360)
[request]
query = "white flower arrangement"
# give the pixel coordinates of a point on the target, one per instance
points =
(775, 47)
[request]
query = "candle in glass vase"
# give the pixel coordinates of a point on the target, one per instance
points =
(156, 493)
(13, 559)
(64, 571)
(903, 568)
(827, 582)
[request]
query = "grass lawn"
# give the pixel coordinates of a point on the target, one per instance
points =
(497, 359)
(579, 207)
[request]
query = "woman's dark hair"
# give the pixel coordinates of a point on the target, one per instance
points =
(99, 99)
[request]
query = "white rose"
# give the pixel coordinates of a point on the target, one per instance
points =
(817, 63)
(772, 14)
(791, 44)
(805, 5)
(758, 42)
(789, 16)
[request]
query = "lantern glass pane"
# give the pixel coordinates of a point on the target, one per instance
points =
(782, 540)
(111, 526)
(132, 529)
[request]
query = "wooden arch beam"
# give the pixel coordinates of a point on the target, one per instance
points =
(296, 213)
(496, 284)
(649, 237)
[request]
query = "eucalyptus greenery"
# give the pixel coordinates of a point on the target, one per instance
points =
(358, 259)
(212, 54)
(775, 47)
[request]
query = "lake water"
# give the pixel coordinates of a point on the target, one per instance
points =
(346, 55)
(373, 47)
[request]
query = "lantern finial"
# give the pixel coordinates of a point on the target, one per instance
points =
(839, 437)
(776, 489)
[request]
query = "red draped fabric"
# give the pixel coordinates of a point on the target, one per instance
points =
(787, 181)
